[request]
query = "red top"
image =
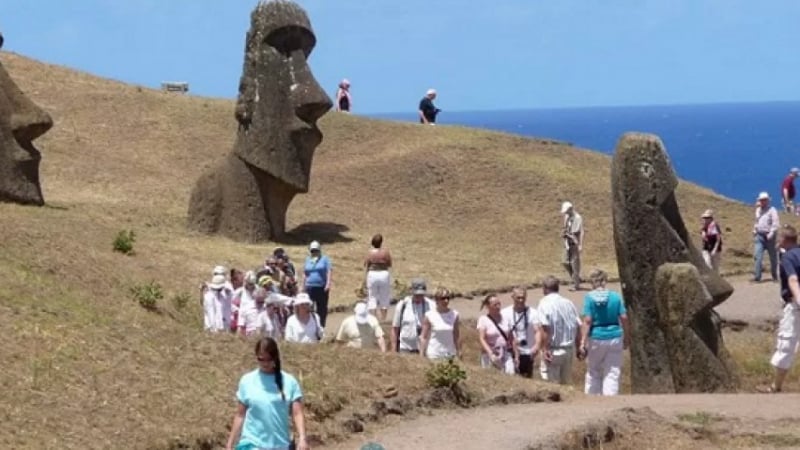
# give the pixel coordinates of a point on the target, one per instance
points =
(788, 185)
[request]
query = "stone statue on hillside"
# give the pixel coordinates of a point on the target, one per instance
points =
(21, 122)
(648, 233)
(245, 197)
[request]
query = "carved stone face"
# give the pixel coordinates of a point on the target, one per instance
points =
(279, 98)
(21, 121)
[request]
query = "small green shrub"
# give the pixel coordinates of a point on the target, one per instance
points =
(180, 300)
(148, 295)
(123, 243)
(446, 374)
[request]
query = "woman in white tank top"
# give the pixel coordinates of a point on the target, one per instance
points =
(440, 329)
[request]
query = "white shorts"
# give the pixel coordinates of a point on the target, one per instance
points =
(785, 352)
(379, 289)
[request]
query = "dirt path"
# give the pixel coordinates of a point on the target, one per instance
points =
(519, 426)
(754, 303)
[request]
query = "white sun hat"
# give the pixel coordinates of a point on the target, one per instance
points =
(217, 282)
(763, 196)
(565, 207)
(302, 299)
(362, 315)
(218, 270)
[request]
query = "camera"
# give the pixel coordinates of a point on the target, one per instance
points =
(419, 331)
(523, 342)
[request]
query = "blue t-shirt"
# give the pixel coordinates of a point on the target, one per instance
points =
(604, 307)
(266, 424)
(316, 271)
(790, 265)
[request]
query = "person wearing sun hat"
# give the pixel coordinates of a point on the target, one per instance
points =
(765, 232)
(217, 304)
(304, 325)
(711, 235)
(361, 330)
(317, 279)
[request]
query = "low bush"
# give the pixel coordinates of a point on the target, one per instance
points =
(148, 295)
(123, 243)
(446, 374)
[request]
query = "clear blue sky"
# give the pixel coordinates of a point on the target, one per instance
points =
(480, 55)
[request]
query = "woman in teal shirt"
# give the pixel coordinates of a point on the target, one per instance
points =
(605, 336)
(266, 396)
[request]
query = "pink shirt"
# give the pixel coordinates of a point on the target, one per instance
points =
(494, 338)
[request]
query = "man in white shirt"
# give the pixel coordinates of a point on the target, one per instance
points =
(765, 232)
(525, 323)
(361, 330)
(408, 317)
(217, 299)
(573, 243)
(560, 326)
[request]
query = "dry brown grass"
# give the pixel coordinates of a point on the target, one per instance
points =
(84, 366)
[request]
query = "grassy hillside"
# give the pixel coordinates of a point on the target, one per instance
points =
(84, 365)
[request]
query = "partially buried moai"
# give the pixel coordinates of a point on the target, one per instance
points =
(246, 196)
(21, 122)
(670, 325)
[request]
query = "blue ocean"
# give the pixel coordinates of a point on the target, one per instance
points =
(737, 150)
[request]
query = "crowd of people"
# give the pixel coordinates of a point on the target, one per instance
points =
(276, 302)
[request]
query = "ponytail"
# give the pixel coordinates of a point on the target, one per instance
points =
(486, 300)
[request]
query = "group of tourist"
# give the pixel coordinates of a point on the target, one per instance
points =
(273, 300)
(427, 111)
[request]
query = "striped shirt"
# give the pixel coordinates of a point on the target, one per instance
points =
(561, 317)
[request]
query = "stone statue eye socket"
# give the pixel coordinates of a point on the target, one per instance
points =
(289, 39)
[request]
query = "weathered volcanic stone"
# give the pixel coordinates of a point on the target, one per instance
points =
(699, 364)
(246, 196)
(21, 122)
(649, 232)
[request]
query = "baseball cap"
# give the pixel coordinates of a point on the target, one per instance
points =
(763, 196)
(795, 170)
(314, 245)
(418, 286)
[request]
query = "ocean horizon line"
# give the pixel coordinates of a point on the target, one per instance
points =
(595, 107)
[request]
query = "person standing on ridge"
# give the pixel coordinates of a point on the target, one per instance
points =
(427, 110)
(573, 243)
(788, 191)
(764, 234)
(343, 100)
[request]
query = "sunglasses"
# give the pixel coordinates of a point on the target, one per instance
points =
(264, 359)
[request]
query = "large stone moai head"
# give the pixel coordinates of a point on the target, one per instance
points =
(649, 232)
(21, 122)
(279, 98)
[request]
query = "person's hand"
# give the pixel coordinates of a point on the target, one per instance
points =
(580, 248)
(327, 288)
(302, 443)
(547, 355)
(582, 352)
(516, 361)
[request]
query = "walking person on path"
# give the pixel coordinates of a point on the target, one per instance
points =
(408, 317)
(712, 240)
(441, 329)
(789, 326)
(560, 327)
(788, 191)
(764, 233)
(572, 234)
(304, 325)
(266, 397)
(496, 337)
(524, 323)
(317, 282)
(378, 279)
(217, 304)
(605, 335)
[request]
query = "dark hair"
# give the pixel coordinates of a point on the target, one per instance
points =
(235, 272)
(550, 283)
(486, 300)
(270, 347)
(377, 240)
